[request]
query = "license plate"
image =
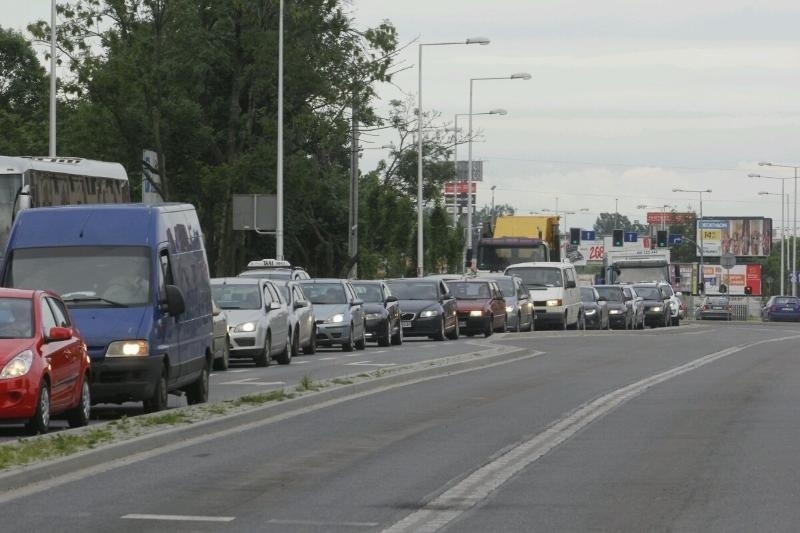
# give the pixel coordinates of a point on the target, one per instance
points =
(788, 309)
(716, 307)
(462, 323)
(406, 323)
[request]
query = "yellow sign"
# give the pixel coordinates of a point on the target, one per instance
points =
(712, 235)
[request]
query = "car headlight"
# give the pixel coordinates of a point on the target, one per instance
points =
(247, 327)
(590, 312)
(656, 309)
(429, 313)
(509, 309)
(19, 366)
(615, 311)
(335, 319)
(553, 303)
(476, 313)
(373, 316)
(128, 348)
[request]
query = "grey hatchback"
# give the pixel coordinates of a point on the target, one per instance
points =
(339, 313)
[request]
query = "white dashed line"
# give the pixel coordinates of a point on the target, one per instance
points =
(179, 518)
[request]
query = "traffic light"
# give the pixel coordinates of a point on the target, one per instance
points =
(723, 289)
(661, 239)
(575, 236)
(748, 290)
(617, 238)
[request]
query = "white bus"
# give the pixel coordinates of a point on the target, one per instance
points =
(43, 181)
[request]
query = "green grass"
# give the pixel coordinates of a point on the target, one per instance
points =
(306, 384)
(26, 451)
(165, 419)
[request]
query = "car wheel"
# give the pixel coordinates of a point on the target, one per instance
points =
(518, 327)
(224, 362)
(284, 357)
(79, 415)
(158, 401)
(386, 339)
(296, 343)
(197, 392)
(311, 347)
(40, 422)
(676, 321)
(487, 329)
(397, 338)
(440, 335)
(361, 343)
(265, 357)
(581, 325)
(347, 346)
(564, 323)
(456, 333)
(531, 323)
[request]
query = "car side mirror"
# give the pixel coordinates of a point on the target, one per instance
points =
(447, 296)
(300, 304)
(356, 302)
(57, 333)
(602, 299)
(679, 293)
(569, 285)
(176, 304)
(390, 299)
(273, 306)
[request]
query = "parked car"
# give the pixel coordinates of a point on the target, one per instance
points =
(222, 350)
(339, 312)
(780, 308)
(258, 322)
(657, 311)
(382, 312)
(44, 361)
(595, 309)
(428, 309)
(636, 304)
(621, 313)
(480, 305)
(553, 288)
(273, 269)
(718, 307)
(519, 306)
(674, 302)
(302, 319)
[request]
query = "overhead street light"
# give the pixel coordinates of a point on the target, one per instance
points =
(515, 76)
(783, 229)
(702, 252)
(420, 253)
(794, 224)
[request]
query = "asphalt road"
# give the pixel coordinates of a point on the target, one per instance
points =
(680, 429)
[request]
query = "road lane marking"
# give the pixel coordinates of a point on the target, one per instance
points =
(321, 523)
(481, 483)
(300, 362)
(179, 518)
(367, 363)
(250, 381)
(326, 358)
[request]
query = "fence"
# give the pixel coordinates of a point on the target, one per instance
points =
(744, 307)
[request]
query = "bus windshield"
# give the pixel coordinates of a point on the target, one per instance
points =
(9, 185)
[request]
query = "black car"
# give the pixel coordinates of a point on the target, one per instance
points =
(382, 312)
(621, 314)
(657, 311)
(427, 308)
(595, 309)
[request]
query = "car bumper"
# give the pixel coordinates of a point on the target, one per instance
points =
(422, 326)
(783, 317)
(654, 319)
(18, 397)
(715, 315)
(375, 327)
(473, 324)
(120, 379)
(593, 321)
(549, 315)
(329, 335)
(246, 344)
(618, 320)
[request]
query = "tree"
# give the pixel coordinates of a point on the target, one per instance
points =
(607, 222)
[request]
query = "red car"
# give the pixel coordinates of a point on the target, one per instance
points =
(44, 364)
(481, 306)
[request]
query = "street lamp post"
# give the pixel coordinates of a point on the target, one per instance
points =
(455, 156)
(783, 231)
(279, 175)
(52, 78)
(702, 252)
(420, 254)
(491, 214)
(794, 223)
(517, 76)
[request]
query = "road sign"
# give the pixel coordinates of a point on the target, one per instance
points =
(675, 239)
(630, 236)
(588, 235)
(727, 261)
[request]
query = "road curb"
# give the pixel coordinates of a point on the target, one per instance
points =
(122, 452)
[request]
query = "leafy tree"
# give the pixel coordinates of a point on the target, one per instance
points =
(607, 222)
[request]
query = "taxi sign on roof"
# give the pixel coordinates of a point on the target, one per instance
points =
(269, 263)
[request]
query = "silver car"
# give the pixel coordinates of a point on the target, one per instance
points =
(519, 307)
(339, 312)
(258, 321)
(302, 321)
(222, 352)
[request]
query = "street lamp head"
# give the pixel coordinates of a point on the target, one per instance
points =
(494, 187)
(483, 41)
(520, 76)
(764, 164)
(678, 190)
(498, 112)
(641, 206)
(707, 190)
(762, 193)
(752, 175)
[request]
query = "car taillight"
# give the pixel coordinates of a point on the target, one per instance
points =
(705, 307)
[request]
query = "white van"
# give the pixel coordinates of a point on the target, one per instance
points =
(554, 291)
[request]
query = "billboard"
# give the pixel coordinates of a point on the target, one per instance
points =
(667, 217)
(739, 236)
(459, 187)
(462, 170)
(735, 279)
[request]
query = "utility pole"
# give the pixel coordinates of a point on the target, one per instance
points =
(352, 241)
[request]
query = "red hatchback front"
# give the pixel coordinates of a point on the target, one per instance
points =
(481, 306)
(44, 365)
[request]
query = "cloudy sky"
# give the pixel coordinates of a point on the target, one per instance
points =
(629, 98)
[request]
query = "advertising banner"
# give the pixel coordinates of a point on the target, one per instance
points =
(739, 236)
(462, 170)
(585, 253)
(668, 218)
(459, 187)
(734, 279)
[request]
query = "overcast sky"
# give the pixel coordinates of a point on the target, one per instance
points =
(628, 100)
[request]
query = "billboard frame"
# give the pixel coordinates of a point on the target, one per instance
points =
(733, 235)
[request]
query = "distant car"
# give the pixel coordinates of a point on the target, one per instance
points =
(621, 313)
(339, 313)
(657, 312)
(718, 307)
(302, 319)
(273, 269)
(636, 304)
(258, 322)
(781, 308)
(480, 305)
(674, 302)
(519, 306)
(45, 365)
(382, 312)
(595, 309)
(222, 351)
(428, 309)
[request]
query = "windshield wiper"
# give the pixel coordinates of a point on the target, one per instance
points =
(81, 299)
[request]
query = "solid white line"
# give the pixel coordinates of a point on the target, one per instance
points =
(479, 485)
(367, 363)
(321, 523)
(300, 362)
(179, 518)
(250, 381)
(326, 358)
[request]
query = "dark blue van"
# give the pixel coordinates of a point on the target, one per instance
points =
(135, 277)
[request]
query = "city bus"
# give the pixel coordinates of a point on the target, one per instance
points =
(44, 181)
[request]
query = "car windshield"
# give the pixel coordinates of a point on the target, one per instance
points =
(325, 293)
(539, 276)
(405, 290)
(368, 292)
(717, 301)
(16, 318)
(284, 290)
(506, 285)
(785, 301)
(611, 294)
(236, 295)
(587, 295)
(470, 290)
(88, 276)
(649, 293)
